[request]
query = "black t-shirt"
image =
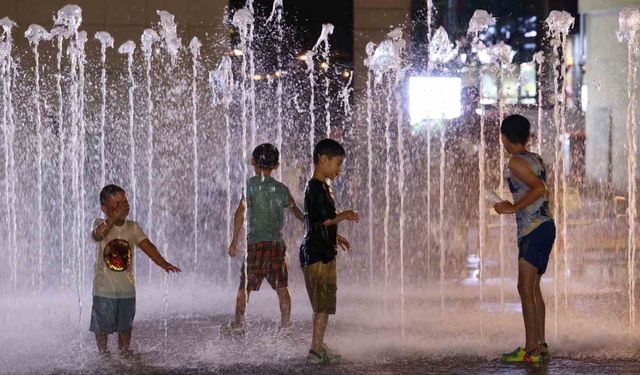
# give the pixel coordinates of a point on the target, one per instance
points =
(319, 243)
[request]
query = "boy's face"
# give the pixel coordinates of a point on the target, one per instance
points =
(331, 166)
(117, 206)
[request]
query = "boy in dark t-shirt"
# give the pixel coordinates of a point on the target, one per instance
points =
(319, 246)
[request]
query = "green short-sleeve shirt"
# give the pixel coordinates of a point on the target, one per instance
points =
(266, 201)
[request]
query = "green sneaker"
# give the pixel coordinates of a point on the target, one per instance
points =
(544, 351)
(232, 330)
(332, 355)
(514, 357)
(316, 358)
(520, 355)
(323, 358)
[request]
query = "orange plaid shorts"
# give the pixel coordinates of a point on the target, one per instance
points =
(265, 260)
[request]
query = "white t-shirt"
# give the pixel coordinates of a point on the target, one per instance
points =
(114, 268)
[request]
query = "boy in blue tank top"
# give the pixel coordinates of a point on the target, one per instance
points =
(536, 233)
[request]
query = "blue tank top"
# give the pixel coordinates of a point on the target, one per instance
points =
(530, 217)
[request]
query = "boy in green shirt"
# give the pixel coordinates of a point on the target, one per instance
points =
(266, 200)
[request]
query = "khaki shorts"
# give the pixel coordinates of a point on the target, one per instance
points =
(321, 281)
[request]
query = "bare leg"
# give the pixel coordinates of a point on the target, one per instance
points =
(284, 298)
(124, 341)
(320, 321)
(527, 274)
(102, 340)
(540, 311)
(241, 306)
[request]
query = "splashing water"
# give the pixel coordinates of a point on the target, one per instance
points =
(243, 20)
(502, 55)
(106, 41)
(538, 59)
(147, 40)
(479, 22)
(312, 103)
(430, 10)
(61, 33)
(441, 49)
(169, 33)
(327, 29)
(35, 34)
(222, 83)
(629, 31)
(559, 23)
(370, 48)
(194, 47)
(9, 129)
(128, 48)
(276, 17)
(404, 264)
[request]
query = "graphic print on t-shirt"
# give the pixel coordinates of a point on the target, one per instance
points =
(117, 255)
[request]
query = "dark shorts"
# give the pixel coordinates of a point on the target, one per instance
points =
(536, 246)
(321, 282)
(265, 260)
(110, 315)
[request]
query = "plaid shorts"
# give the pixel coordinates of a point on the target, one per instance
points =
(265, 260)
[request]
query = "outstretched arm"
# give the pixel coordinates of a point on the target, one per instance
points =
(238, 220)
(152, 252)
(344, 215)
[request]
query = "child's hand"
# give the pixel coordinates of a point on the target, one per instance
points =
(504, 208)
(233, 248)
(344, 243)
(352, 215)
(168, 267)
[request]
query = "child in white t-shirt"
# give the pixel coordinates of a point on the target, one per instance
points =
(114, 291)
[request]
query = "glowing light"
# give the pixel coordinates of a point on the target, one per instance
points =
(237, 52)
(324, 66)
(434, 98)
(278, 74)
(257, 77)
(302, 57)
(346, 73)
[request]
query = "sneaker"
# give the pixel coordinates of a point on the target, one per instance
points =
(232, 330)
(332, 354)
(315, 358)
(515, 356)
(532, 356)
(323, 358)
(544, 351)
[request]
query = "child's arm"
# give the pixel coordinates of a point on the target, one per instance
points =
(157, 258)
(294, 208)
(238, 220)
(520, 169)
(344, 215)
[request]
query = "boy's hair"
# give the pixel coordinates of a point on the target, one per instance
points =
(327, 147)
(516, 128)
(108, 191)
(266, 156)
